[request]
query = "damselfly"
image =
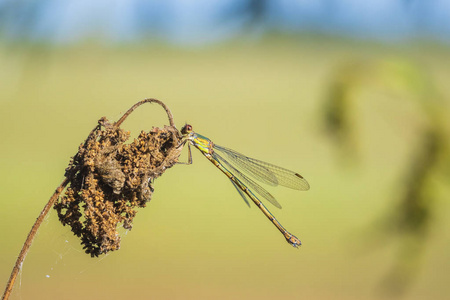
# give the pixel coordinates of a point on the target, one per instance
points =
(224, 159)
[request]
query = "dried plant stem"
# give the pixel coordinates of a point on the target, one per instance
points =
(62, 186)
(148, 100)
(30, 238)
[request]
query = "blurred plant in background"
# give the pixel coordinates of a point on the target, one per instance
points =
(409, 220)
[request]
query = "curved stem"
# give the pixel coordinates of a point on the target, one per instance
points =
(29, 240)
(148, 100)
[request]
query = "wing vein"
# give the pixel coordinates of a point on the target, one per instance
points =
(246, 180)
(265, 172)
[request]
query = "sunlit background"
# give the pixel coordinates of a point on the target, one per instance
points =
(351, 94)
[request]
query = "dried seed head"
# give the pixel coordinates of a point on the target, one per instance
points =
(110, 179)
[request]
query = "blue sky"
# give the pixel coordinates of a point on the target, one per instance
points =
(184, 21)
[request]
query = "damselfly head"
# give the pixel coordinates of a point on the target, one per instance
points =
(186, 129)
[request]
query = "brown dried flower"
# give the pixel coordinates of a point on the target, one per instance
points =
(110, 179)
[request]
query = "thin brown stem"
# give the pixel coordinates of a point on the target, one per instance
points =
(148, 100)
(58, 191)
(30, 238)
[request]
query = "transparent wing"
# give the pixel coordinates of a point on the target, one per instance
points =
(261, 173)
(265, 172)
(243, 195)
(246, 180)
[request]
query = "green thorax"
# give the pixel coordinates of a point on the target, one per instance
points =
(202, 143)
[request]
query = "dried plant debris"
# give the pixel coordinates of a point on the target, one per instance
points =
(109, 180)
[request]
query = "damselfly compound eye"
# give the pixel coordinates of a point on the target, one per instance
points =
(186, 129)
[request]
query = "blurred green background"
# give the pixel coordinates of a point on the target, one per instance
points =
(366, 123)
